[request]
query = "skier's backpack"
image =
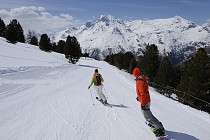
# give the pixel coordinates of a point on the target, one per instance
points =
(97, 79)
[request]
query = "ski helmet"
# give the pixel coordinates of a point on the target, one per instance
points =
(136, 72)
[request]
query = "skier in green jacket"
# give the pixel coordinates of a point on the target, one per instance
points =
(97, 80)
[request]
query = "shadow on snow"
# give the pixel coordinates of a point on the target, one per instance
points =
(88, 66)
(121, 106)
(180, 136)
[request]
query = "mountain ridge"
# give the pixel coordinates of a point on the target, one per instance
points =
(108, 34)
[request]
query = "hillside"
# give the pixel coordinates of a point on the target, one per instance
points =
(43, 97)
(108, 34)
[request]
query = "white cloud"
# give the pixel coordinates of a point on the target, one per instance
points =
(40, 8)
(4, 14)
(39, 19)
(67, 16)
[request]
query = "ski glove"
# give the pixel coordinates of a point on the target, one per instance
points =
(137, 98)
(88, 87)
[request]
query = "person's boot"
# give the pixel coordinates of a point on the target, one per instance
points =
(105, 102)
(159, 132)
(101, 101)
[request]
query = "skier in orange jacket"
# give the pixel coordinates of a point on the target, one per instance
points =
(143, 97)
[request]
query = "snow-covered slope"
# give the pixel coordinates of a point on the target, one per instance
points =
(20, 55)
(50, 101)
(111, 35)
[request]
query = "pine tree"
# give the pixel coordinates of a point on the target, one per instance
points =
(14, 32)
(2, 28)
(195, 81)
(11, 33)
(72, 49)
(127, 57)
(164, 77)
(150, 61)
(109, 59)
(118, 60)
(44, 43)
(30, 35)
(86, 55)
(177, 74)
(132, 65)
(34, 41)
(20, 33)
(53, 47)
(60, 46)
(207, 48)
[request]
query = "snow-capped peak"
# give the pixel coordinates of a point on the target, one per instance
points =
(107, 18)
(206, 27)
(178, 19)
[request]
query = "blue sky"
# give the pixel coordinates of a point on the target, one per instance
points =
(196, 10)
(73, 12)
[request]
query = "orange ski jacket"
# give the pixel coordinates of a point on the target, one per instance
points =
(142, 90)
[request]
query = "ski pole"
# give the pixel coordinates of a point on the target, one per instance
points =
(91, 96)
(105, 92)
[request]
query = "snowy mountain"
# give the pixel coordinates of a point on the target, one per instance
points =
(108, 35)
(43, 97)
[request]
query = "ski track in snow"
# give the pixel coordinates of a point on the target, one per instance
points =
(54, 103)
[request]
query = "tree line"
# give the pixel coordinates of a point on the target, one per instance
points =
(188, 82)
(14, 33)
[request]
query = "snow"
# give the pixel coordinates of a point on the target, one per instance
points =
(43, 97)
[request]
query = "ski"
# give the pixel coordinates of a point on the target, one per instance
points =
(108, 105)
